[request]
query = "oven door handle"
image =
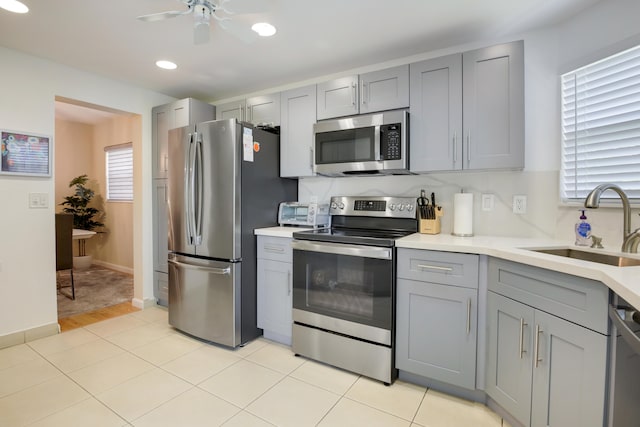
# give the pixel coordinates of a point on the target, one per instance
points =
(343, 249)
(624, 330)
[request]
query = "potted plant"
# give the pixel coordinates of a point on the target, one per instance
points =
(83, 215)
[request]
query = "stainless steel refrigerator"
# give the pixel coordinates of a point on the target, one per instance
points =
(223, 182)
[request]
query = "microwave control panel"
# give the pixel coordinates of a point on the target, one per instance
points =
(390, 142)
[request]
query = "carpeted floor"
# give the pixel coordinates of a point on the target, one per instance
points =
(96, 287)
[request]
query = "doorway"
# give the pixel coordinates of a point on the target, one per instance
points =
(84, 134)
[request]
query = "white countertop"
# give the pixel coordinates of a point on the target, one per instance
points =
(625, 281)
(281, 231)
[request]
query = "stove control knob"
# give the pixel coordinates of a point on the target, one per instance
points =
(409, 207)
(341, 205)
(334, 205)
(392, 207)
(401, 207)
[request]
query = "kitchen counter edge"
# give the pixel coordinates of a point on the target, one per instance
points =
(624, 281)
(280, 231)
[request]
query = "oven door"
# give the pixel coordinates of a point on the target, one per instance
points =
(343, 288)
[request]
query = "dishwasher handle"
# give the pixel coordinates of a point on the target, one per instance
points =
(624, 330)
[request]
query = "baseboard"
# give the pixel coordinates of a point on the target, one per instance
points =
(145, 303)
(32, 334)
(116, 267)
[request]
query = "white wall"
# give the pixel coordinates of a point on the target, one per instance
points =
(29, 86)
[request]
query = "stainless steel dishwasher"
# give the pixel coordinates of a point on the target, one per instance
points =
(624, 399)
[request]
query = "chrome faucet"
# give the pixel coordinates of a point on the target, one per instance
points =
(630, 240)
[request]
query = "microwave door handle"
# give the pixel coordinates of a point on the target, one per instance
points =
(376, 143)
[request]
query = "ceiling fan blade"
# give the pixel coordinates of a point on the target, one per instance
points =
(239, 30)
(152, 17)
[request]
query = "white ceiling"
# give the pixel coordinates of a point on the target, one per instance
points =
(314, 38)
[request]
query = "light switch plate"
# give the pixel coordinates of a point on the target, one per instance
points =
(38, 200)
(520, 204)
(487, 202)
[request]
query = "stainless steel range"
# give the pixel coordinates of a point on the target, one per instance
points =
(344, 285)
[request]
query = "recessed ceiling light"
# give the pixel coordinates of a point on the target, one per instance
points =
(264, 29)
(14, 6)
(167, 65)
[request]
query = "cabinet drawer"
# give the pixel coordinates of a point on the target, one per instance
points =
(578, 300)
(448, 268)
(275, 248)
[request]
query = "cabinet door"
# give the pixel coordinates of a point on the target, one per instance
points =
(165, 117)
(510, 355)
(337, 98)
(274, 298)
(493, 81)
(160, 242)
(436, 332)
(231, 110)
(264, 110)
(298, 115)
(386, 89)
(436, 114)
(569, 377)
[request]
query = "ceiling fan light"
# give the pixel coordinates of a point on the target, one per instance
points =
(14, 6)
(264, 29)
(166, 65)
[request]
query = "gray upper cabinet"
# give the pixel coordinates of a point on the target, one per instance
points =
(380, 90)
(437, 315)
(386, 89)
(231, 110)
(493, 107)
(436, 114)
(298, 115)
(258, 110)
(486, 88)
(264, 109)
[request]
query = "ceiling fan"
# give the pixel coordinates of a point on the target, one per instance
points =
(203, 11)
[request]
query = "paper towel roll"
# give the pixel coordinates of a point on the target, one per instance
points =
(463, 214)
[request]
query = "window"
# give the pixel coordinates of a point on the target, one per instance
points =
(119, 169)
(601, 127)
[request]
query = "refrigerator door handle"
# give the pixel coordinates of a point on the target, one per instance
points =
(198, 191)
(222, 271)
(190, 190)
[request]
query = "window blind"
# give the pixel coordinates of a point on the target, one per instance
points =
(119, 167)
(601, 127)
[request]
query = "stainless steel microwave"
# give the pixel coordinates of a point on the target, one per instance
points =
(363, 145)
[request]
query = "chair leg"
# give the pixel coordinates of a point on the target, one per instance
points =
(73, 288)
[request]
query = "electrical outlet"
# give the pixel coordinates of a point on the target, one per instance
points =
(487, 202)
(520, 205)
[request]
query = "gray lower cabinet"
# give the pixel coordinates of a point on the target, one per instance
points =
(274, 293)
(436, 316)
(160, 242)
(161, 287)
(543, 368)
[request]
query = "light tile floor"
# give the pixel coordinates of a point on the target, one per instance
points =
(135, 370)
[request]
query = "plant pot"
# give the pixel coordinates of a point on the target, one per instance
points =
(82, 262)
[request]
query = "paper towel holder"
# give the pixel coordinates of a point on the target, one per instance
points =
(456, 212)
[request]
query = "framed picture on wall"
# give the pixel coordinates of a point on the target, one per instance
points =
(25, 154)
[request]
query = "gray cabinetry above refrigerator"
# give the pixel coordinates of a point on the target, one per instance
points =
(257, 110)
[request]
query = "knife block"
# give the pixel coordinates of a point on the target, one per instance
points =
(431, 226)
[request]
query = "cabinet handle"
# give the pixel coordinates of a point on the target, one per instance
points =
(435, 267)
(166, 163)
(288, 283)
(468, 316)
(468, 146)
(274, 249)
(455, 148)
(364, 94)
(521, 348)
(537, 345)
(353, 93)
(311, 157)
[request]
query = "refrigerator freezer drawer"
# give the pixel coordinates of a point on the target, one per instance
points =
(204, 299)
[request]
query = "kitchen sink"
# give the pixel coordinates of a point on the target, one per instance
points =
(615, 260)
